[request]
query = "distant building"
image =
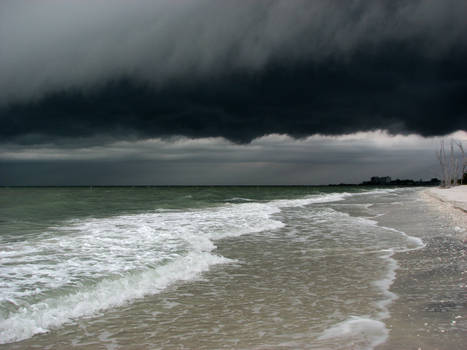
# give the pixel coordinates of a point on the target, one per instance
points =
(378, 181)
(384, 180)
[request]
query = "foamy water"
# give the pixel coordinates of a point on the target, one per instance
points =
(83, 267)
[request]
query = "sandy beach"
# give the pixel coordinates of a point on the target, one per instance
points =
(452, 203)
(454, 196)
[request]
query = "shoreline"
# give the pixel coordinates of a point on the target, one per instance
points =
(429, 312)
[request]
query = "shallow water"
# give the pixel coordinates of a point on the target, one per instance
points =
(204, 268)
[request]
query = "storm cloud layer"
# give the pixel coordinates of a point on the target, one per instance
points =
(235, 69)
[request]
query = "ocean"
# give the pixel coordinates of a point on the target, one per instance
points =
(228, 268)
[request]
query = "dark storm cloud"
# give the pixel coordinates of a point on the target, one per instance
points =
(233, 69)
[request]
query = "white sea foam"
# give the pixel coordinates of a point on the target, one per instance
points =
(133, 254)
(238, 199)
(385, 283)
(53, 312)
(90, 265)
(357, 333)
(313, 199)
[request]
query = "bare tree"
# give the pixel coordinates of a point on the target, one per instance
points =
(451, 165)
(463, 161)
(441, 155)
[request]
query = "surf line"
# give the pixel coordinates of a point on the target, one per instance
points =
(365, 330)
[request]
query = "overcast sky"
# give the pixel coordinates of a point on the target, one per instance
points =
(228, 92)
